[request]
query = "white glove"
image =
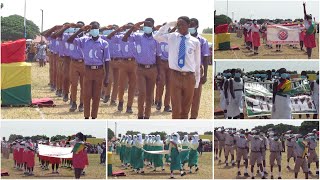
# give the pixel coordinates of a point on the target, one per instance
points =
(172, 24)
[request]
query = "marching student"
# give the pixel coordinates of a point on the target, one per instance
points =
(229, 146)
(312, 154)
(205, 53)
(255, 30)
(174, 149)
(96, 60)
(140, 154)
(281, 108)
(256, 153)
(275, 153)
(77, 69)
(300, 150)
(216, 145)
(193, 154)
(158, 158)
(184, 155)
(166, 147)
(147, 71)
(309, 39)
(79, 156)
(30, 156)
(242, 152)
(222, 137)
(315, 94)
(290, 150)
(184, 62)
(302, 34)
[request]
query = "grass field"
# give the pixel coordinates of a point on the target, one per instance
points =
(40, 89)
(222, 172)
(205, 170)
(264, 52)
(93, 171)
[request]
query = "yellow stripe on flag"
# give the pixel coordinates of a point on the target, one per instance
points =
(15, 74)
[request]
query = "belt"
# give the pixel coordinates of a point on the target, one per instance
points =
(94, 67)
(242, 148)
(164, 60)
(183, 73)
(129, 59)
(115, 59)
(77, 60)
(146, 66)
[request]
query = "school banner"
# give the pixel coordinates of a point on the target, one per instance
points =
(162, 152)
(258, 98)
(283, 34)
(55, 151)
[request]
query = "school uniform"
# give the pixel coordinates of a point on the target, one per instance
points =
(229, 143)
(290, 146)
(242, 145)
(205, 52)
(30, 156)
(96, 53)
(282, 102)
(114, 69)
(315, 95)
(128, 68)
(301, 161)
(184, 62)
(66, 63)
(59, 66)
(312, 145)
(255, 35)
(309, 39)
(146, 52)
(77, 69)
(164, 75)
(222, 139)
(255, 154)
(235, 106)
(223, 103)
(194, 154)
(275, 151)
(50, 58)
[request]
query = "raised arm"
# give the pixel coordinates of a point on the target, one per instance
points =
(50, 31)
(136, 26)
(82, 29)
(162, 34)
(304, 10)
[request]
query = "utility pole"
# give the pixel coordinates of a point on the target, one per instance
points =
(41, 23)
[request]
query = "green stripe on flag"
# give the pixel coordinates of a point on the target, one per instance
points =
(19, 95)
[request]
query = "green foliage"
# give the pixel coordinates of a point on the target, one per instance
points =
(208, 133)
(307, 127)
(221, 19)
(207, 31)
(14, 137)
(12, 28)
(110, 134)
(58, 138)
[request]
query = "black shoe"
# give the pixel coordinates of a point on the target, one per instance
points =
(226, 164)
(145, 117)
(113, 103)
(271, 177)
(310, 172)
(167, 109)
(106, 99)
(239, 173)
(80, 107)
(233, 164)
(184, 173)
(142, 172)
(263, 177)
(317, 172)
(65, 98)
(129, 110)
(258, 171)
(252, 177)
(159, 104)
(197, 169)
(279, 178)
(140, 117)
(73, 107)
(246, 174)
(120, 106)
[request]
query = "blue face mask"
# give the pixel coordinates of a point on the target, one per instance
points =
(303, 77)
(283, 75)
(228, 75)
(76, 29)
(94, 32)
(192, 30)
(273, 73)
(237, 75)
(147, 29)
(71, 30)
(277, 74)
(67, 30)
(107, 32)
(224, 74)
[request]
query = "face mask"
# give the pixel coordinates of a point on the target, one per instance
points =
(67, 30)
(254, 22)
(241, 135)
(283, 75)
(94, 32)
(300, 140)
(77, 139)
(277, 74)
(175, 138)
(76, 29)
(71, 30)
(107, 32)
(276, 138)
(273, 73)
(237, 75)
(228, 74)
(224, 74)
(256, 136)
(303, 77)
(192, 30)
(147, 29)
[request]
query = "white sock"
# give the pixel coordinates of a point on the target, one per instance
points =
(271, 173)
(245, 170)
(262, 173)
(308, 169)
(317, 169)
(264, 168)
(279, 174)
(238, 169)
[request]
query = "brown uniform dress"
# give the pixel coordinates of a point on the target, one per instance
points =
(312, 145)
(77, 70)
(164, 82)
(59, 66)
(196, 98)
(128, 67)
(256, 146)
(275, 149)
(242, 145)
(229, 143)
(290, 152)
(113, 78)
(301, 160)
(66, 75)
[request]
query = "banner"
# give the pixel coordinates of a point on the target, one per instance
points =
(258, 98)
(55, 151)
(283, 34)
(163, 151)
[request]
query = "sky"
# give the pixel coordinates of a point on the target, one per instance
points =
(52, 128)
(265, 65)
(169, 126)
(249, 124)
(272, 9)
(109, 12)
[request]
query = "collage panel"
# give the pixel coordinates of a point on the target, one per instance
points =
(97, 64)
(246, 29)
(160, 149)
(266, 149)
(51, 150)
(266, 90)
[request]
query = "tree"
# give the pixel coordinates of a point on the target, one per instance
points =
(307, 127)
(110, 134)
(12, 28)
(132, 133)
(58, 137)
(207, 31)
(181, 134)
(162, 134)
(14, 137)
(208, 133)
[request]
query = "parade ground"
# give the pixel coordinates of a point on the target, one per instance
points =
(40, 89)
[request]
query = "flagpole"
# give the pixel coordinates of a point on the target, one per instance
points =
(24, 22)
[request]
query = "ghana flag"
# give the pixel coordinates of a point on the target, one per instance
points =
(16, 83)
(78, 147)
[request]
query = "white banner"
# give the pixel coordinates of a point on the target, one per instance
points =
(163, 151)
(283, 34)
(55, 151)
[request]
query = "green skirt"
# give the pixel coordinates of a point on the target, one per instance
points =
(193, 158)
(157, 158)
(175, 159)
(139, 153)
(133, 157)
(127, 155)
(184, 155)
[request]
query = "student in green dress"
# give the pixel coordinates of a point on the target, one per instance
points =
(174, 150)
(153, 139)
(166, 147)
(158, 158)
(123, 150)
(133, 151)
(139, 154)
(128, 152)
(194, 155)
(146, 147)
(184, 155)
